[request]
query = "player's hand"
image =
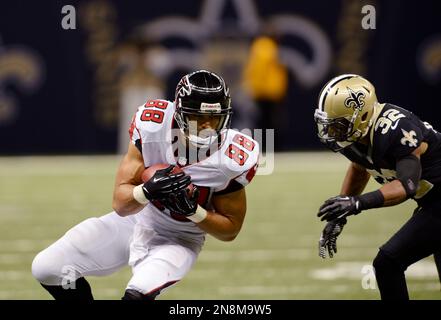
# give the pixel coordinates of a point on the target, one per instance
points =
(339, 207)
(328, 238)
(182, 202)
(162, 184)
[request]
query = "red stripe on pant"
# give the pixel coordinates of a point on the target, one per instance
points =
(157, 291)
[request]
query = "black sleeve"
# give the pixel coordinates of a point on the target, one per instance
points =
(138, 145)
(409, 173)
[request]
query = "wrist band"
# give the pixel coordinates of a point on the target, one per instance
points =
(138, 195)
(199, 215)
(374, 199)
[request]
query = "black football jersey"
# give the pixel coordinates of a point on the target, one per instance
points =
(396, 133)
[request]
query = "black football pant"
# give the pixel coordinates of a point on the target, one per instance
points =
(418, 238)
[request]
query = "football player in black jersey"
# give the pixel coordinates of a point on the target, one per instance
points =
(399, 151)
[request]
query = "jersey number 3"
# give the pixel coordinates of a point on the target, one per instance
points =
(152, 111)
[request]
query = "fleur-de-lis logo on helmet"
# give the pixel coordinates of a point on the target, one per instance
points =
(355, 99)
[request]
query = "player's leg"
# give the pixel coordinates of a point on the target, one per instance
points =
(417, 239)
(160, 269)
(96, 246)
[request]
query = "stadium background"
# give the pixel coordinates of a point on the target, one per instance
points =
(66, 97)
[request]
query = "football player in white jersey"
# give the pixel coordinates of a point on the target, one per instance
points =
(158, 228)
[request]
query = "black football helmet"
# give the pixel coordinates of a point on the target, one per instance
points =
(200, 94)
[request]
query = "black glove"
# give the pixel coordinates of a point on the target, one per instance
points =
(339, 207)
(162, 184)
(182, 203)
(328, 238)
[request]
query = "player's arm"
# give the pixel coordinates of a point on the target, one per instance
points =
(226, 221)
(392, 193)
(355, 180)
(128, 177)
(408, 175)
(354, 183)
(131, 194)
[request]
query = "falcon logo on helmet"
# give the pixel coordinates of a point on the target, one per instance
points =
(183, 88)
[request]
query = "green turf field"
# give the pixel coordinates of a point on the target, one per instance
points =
(274, 257)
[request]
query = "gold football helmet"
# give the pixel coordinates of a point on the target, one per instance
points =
(345, 108)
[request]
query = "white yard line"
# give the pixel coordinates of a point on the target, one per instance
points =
(293, 254)
(255, 255)
(24, 245)
(268, 291)
(353, 271)
(12, 275)
(15, 258)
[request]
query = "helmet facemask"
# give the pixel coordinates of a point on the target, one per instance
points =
(189, 122)
(335, 133)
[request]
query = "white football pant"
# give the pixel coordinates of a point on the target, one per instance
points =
(101, 246)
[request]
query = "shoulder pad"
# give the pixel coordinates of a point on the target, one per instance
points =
(240, 156)
(397, 132)
(152, 120)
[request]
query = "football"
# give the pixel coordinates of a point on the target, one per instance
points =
(150, 171)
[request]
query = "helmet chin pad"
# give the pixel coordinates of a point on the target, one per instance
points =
(203, 138)
(201, 142)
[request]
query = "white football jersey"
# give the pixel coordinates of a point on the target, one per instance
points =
(235, 161)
